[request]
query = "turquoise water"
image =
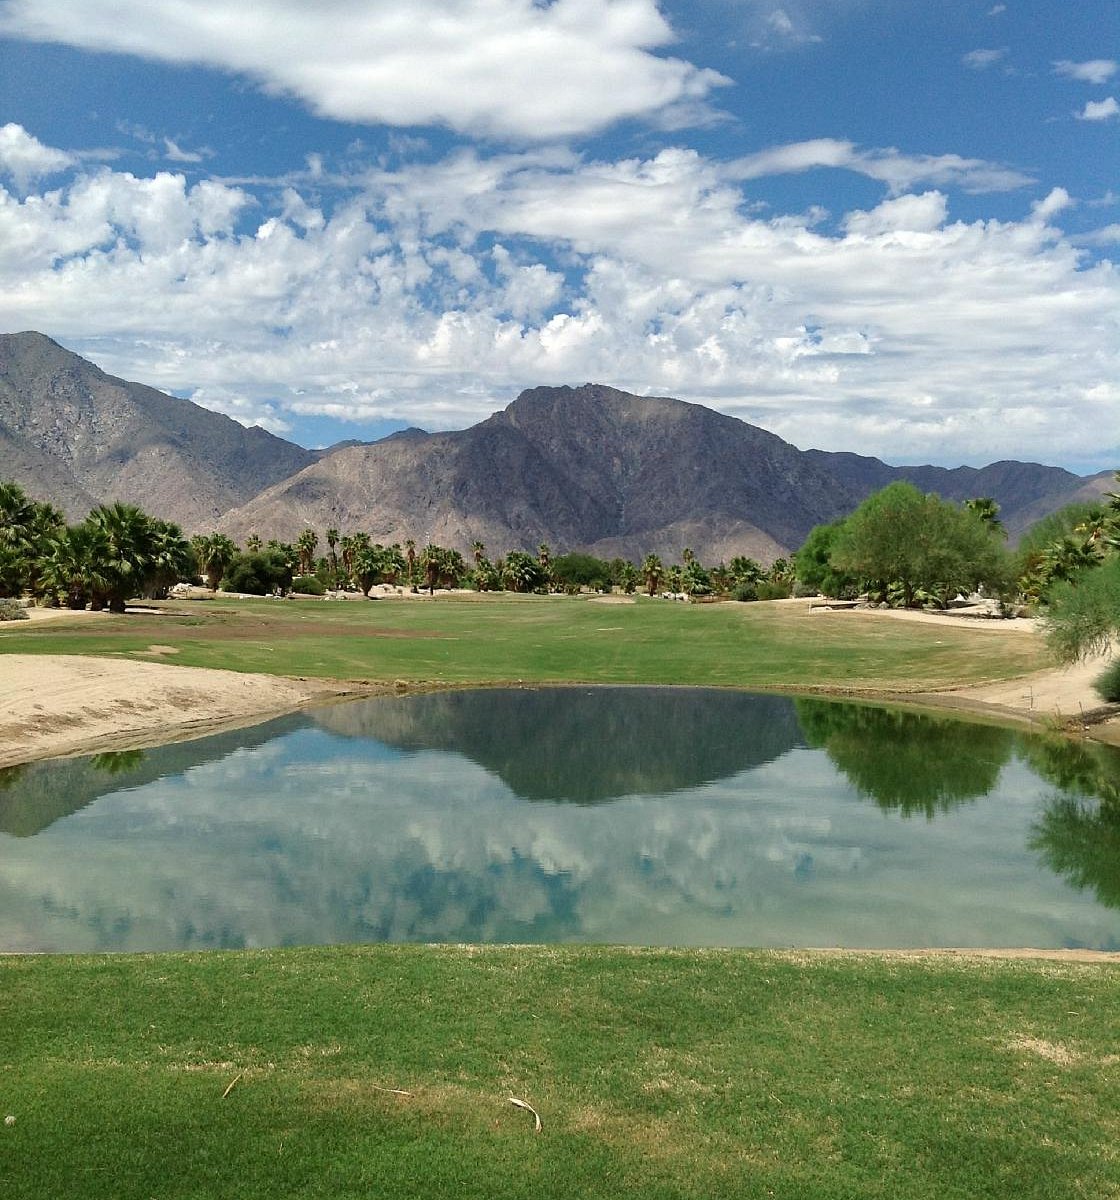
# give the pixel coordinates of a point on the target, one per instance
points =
(634, 815)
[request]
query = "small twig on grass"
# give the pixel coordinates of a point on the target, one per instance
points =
(391, 1091)
(536, 1116)
(231, 1083)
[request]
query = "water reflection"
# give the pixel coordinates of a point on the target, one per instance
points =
(1078, 833)
(912, 762)
(448, 817)
(586, 745)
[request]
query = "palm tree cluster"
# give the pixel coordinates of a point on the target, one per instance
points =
(116, 553)
(119, 552)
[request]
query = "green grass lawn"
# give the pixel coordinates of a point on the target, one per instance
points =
(656, 1074)
(504, 638)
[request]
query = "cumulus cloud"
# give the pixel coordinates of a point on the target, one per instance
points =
(433, 292)
(25, 159)
(505, 68)
(1096, 70)
(1100, 110)
(899, 171)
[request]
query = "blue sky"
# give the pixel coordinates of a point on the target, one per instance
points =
(886, 226)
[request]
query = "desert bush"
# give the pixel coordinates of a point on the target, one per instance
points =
(767, 589)
(1107, 684)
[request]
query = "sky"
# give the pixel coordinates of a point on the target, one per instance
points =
(883, 226)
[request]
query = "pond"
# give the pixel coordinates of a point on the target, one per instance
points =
(632, 815)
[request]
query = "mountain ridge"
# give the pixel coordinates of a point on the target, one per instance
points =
(582, 468)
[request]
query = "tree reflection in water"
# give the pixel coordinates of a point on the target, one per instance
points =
(907, 761)
(1078, 834)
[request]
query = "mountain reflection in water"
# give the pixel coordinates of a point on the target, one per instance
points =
(668, 816)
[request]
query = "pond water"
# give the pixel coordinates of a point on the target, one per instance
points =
(632, 815)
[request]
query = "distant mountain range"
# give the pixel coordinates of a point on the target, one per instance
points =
(588, 468)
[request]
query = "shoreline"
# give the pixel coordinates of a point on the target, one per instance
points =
(61, 706)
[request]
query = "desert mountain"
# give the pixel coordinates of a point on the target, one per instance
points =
(587, 467)
(73, 435)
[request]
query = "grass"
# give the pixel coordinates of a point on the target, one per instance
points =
(500, 638)
(656, 1073)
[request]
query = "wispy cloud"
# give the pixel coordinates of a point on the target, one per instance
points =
(1096, 70)
(898, 171)
(980, 60)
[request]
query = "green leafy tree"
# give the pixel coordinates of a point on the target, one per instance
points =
(920, 543)
(260, 573)
(815, 569)
(1083, 615)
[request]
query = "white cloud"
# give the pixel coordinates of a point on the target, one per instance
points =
(980, 60)
(175, 153)
(1097, 70)
(437, 291)
(1100, 110)
(1055, 202)
(506, 68)
(25, 159)
(899, 171)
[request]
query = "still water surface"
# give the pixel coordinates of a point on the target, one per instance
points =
(652, 816)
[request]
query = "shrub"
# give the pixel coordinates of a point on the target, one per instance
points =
(12, 610)
(745, 591)
(767, 589)
(1107, 684)
(309, 585)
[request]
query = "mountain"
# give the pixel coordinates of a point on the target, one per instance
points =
(1025, 492)
(587, 467)
(73, 435)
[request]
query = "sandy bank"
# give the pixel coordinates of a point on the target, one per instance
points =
(56, 705)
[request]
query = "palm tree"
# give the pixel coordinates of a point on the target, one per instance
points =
(129, 549)
(410, 559)
(171, 558)
(988, 512)
(652, 571)
(71, 571)
(332, 546)
(215, 553)
(254, 544)
(306, 544)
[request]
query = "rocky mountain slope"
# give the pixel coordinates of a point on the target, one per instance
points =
(585, 467)
(73, 435)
